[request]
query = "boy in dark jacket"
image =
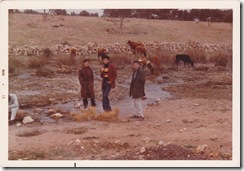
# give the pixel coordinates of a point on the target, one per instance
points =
(137, 89)
(86, 79)
(109, 74)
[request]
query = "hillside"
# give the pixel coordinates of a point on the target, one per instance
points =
(188, 110)
(31, 29)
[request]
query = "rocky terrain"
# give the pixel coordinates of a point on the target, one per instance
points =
(188, 112)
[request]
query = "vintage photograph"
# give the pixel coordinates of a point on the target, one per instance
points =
(120, 84)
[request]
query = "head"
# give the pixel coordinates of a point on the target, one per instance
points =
(106, 59)
(136, 65)
(86, 63)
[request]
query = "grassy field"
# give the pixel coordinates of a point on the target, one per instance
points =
(31, 29)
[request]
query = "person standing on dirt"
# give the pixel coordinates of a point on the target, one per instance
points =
(13, 107)
(108, 73)
(137, 89)
(86, 79)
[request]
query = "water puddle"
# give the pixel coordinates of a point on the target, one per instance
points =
(24, 76)
(126, 107)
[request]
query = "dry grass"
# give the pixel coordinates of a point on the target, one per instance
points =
(16, 62)
(84, 114)
(91, 114)
(94, 29)
(35, 63)
(165, 56)
(108, 116)
(222, 59)
(121, 60)
(44, 72)
(65, 60)
(197, 55)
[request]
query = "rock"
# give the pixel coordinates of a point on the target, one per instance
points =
(38, 110)
(77, 105)
(157, 100)
(27, 120)
(51, 111)
(181, 130)
(161, 142)
(51, 99)
(196, 104)
(116, 142)
(56, 116)
(168, 121)
(131, 134)
(146, 139)
(201, 148)
(143, 149)
(213, 137)
(76, 142)
(18, 124)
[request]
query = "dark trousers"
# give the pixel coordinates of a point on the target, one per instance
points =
(85, 102)
(106, 89)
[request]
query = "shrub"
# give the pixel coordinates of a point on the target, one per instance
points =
(37, 62)
(46, 52)
(15, 62)
(43, 72)
(121, 60)
(197, 55)
(221, 59)
(66, 60)
(165, 57)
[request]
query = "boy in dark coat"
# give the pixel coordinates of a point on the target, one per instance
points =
(108, 73)
(86, 79)
(137, 89)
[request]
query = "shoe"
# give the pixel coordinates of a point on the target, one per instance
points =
(134, 116)
(144, 98)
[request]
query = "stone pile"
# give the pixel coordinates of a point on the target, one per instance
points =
(91, 48)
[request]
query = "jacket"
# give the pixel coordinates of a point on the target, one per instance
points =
(86, 79)
(137, 84)
(112, 75)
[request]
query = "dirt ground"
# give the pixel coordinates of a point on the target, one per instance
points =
(193, 123)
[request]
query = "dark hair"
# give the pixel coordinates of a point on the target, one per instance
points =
(136, 61)
(106, 56)
(85, 60)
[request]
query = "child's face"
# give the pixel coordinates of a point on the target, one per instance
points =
(105, 61)
(136, 66)
(86, 64)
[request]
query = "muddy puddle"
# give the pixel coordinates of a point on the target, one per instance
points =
(126, 107)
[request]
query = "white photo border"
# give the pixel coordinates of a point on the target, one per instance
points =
(120, 4)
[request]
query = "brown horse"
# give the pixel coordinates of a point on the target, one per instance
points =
(101, 52)
(135, 50)
(140, 50)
